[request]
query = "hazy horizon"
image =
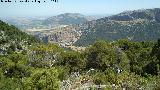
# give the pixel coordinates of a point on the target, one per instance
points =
(43, 16)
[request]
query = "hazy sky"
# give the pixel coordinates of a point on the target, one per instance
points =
(86, 7)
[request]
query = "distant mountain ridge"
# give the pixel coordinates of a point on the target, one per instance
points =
(24, 23)
(47, 22)
(148, 14)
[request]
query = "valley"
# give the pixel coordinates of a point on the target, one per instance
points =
(71, 52)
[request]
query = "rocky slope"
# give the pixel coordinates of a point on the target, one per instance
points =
(12, 39)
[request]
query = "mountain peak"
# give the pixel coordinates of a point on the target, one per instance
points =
(66, 19)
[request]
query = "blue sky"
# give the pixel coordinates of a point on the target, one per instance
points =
(86, 7)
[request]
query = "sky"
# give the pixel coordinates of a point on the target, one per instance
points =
(86, 7)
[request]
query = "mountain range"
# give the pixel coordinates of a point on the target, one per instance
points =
(137, 25)
(48, 22)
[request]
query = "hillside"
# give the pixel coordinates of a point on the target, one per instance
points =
(138, 25)
(122, 64)
(12, 39)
